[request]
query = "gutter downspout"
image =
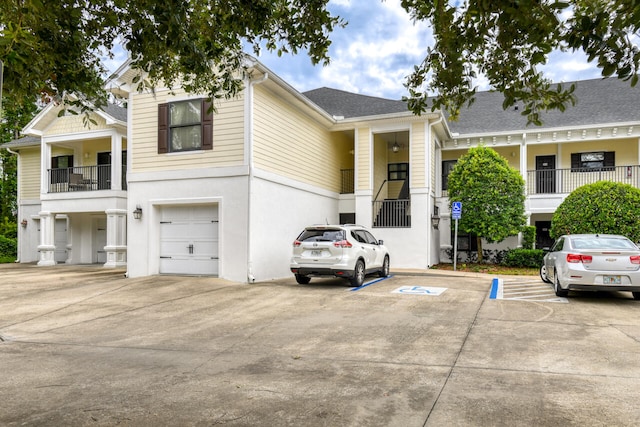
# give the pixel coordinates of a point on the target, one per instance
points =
(430, 189)
(250, 276)
(17, 191)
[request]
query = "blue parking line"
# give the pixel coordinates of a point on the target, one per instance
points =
(364, 285)
(494, 288)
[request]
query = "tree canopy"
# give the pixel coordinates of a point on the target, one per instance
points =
(54, 48)
(508, 41)
(492, 195)
(603, 207)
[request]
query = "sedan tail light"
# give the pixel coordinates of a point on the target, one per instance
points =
(342, 244)
(576, 258)
(635, 259)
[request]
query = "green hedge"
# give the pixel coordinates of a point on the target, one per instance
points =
(8, 249)
(530, 258)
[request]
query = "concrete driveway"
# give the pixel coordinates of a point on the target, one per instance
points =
(86, 346)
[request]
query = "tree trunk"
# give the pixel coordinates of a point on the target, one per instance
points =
(479, 240)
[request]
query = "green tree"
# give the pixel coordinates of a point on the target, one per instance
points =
(14, 117)
(492, 195)
(54, 48)
(603, 207)
(507, 41)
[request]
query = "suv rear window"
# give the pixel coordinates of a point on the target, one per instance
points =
(321, 236)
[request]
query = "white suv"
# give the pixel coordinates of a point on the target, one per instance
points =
(348, 251)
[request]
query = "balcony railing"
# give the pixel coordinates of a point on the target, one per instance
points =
(558, 181)
(82, 178)
(392, 213)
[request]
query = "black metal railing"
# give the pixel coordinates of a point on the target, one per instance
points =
(82, 178)
(559, 181)
(347, 183)
(392, 213)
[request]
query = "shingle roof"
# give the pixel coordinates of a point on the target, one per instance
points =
(341, 103)
(599, 101)
(25, 141)
(116, 111)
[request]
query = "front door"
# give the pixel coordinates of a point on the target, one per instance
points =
(104, 171)
(545, 174)
(543, 239)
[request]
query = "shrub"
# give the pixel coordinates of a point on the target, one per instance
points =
(604, 207)
(8, 249)
(528, 236)
(530, 258)
(8, 229)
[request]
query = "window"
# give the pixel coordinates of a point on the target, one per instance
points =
(447, 167)
(185, 126)
(593, 161)
(397, 171)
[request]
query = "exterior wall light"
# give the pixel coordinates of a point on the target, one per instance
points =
(137, 213)
(435, 221)
(23, 223)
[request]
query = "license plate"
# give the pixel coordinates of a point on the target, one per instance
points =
(316, 253)
(611, 280)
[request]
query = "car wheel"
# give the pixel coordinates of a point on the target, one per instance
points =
(559, 291)
(636, 295)
(358, 274)
(543, 274)
(384, 271)
(303, 280)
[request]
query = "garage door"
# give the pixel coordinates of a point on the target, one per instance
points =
(189, 240)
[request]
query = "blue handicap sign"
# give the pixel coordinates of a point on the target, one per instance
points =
(456, 210)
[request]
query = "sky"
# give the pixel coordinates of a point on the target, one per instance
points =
(378, 49)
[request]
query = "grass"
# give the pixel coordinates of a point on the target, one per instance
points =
(7, 259)
(489, 269)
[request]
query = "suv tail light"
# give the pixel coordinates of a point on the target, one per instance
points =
(296, 243)
(342, 244)
(575, 258)
(635, 259)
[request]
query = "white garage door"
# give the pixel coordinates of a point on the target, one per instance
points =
(189, 240)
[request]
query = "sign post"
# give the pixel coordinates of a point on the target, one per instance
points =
(456, 214)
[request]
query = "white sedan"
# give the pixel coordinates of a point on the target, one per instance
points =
(594, 262)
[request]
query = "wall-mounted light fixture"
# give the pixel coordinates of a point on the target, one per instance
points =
(137, 213)
(435, 218)
(23, 223)
(395, 148)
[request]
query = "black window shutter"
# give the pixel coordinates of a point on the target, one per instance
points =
(575, 160)
(207, 125)
(163, 128)
(609, 159)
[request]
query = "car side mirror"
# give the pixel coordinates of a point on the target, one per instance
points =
(380, 242)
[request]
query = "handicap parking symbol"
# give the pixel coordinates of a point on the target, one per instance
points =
(419, 290)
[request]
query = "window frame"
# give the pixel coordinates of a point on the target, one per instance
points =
(402, 171)
(165, 127)
(580, 165)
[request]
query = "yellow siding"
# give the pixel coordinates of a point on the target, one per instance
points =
(364, 154)
(228, 136)
(432, 148)
(380, 160)
(30, 174)
(71, 124)
(289, 143)
(417, 172)
(626, 151)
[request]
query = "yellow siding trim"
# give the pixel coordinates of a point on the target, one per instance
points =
(75, 124)
(417, 172)
(364, 155)
(228, 136)
(290, 143)
(30, 174)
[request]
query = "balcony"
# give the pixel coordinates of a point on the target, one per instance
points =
(82, 178)
(563, 181)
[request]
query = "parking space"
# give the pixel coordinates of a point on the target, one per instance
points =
(85, 345)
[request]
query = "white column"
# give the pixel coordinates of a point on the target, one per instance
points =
(47, 245)
(116, 248)
(45, 165)
(116, 162)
